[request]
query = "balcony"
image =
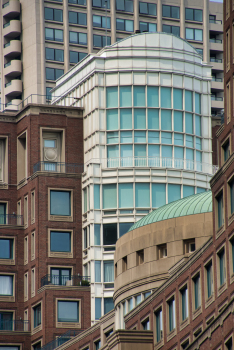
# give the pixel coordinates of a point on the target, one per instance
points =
(75, 280)
(15, 326)
(216, 44)
(13, 68)
(11, 9)
(13, 105)
(215, 25)
(217, 63)
(59, 167)
(217, 84)
(12, 49)
(216, 102)
(13, 88)
(12, 29)
(11, 219)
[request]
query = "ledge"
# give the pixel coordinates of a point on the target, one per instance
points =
(54, 287)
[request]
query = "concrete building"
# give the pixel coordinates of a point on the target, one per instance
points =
(147, 140)
(42, 291)
(41, 40)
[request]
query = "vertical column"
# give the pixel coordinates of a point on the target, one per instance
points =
(159, 16)
(42, 91)
(136, 15)
(182, 19)
(89, 26)
(113, 21)
(206, 44)
(66, 36)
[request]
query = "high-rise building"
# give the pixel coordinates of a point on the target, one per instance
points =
(41, 40)
(147, 140)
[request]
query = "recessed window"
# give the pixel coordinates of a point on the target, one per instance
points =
(124, 5)
(221, 267)
(209, 279)
(148, 27)
(171, 314)
(60, 203)
(162, 251)
(6, 324)
(194, 34)
(232, 255)
(189, 246)
(101, 40)
(48, 93)
(6, 248)
(197, 296)
(52, 14)
(37, 315)
(185, 344)
(68, 311)
(77, 2)
(146, 325)
(60, 241)
(37, 346)
(54, 54)
(109, 234)
(77, 18)
(139, 257)
(124, 25)
(228, 344)
(6, 285)
(146, 8)
(184, 303)
(77, 38)
(98, 308)
(97, 344)
(76, 57)
(193, 15)
(171, 11)
(2, 159)
(3, 218)
(226, 150)
(159, 325)
(101, 21)
(219, 211)
(124, 263)
(108, 305)
(60, 276)
(54, 34)
(53, 73)
(171, 29)
(109, 272)
(101, 3)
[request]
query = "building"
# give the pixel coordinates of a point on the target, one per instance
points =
(147, 140)
(61, 32)
(42, 291)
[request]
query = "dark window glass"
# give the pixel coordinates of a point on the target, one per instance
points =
(77, 2)
(100, 41)
(2, 213)
(152, 9)
(120, 24)
(82, 19)
(100, 21)
(49, 34)
(6, 322)
(77, 56)
(58, 35)
(59, 55)
(193, 15)
(36, 346)
(68, 311)
(148, 27)
(143, 8)
(109, 234)
(49, 54)
(72, 16)
(48, 93)
(37, 315)
(108, 305)
(49, 13)
(231, 185)
(124, 5)
(78, 38)
(50, 74)
(60, 241)
(60, 203)
(220, 209)
(171, 11)
(124, 227)
(101, 3)
(198, 15)
(58, 73)
(166, 11)
(53, 14)
(60, 276)
(58, 15)
(171, 29)
(54, 34)
(189, 14)
(77, 18)
(54, 54)
(6, 248)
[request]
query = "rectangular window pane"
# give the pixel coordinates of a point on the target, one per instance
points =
(125, 119)
(174, 192)
(188, 191)
(165, 97)
(198, 34)
(140, 155)
(112, 122)
(166, 119)
(142, 195)
(124, 227)
(197, 103)
(158, 195)
(112, 97)
(126, 155)
(97, 239)
(178, 139)
(126, 137)
(167, 152)
(113, 155)
(153, 137)
(198, 125)
(189, 34)
(68, 311)
(109, 234)
(6, 248)
(166, 137)
(209, 279)
(197, 301)
(112, 137)
(60, 241)
(109, 196)
(6, 285)
(178, 98)
(125, 96)
(139, 118)
(188, 101)
(158, 325)
(153, 155)
(97, 266)
(98, 308)
(152, 96)
(189, 141)
(153, 119)
(139, 136)
(178, 121)
(108, 305)
(60, 203)
(126, 195)
(96, 196)
(139, 96)
(108, 271)
(188, 123)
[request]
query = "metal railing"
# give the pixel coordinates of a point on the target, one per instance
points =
(6, 4)
(8, 84)
(74, 280)
(7, 44)
(215, 98)
(68, 168)
(215, 21)
(15, 326)
(11, 219)
(6, 25)
(217, 79)
(216, 60)
(61, 339)
(217, 41)
(7, 64)
(154, 162)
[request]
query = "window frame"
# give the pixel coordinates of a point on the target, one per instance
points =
(219, 228)
(53, 10)
(60, 268)
(9, 298)
(209, 298)
(65, 255)
(33, 245)
(26, 250)
(171, 6)
(184, 322)
(193, 20)
(4, 153)
(161, 340)
(54, 36)
(64, 218)
(54, 60)
(171, 332)
(198, 310)
(26, 284)
(13, 318)
(33, 282)
(9, 261)
(231, 258)
(38, 327)
(221, 287)
(64, 324)
(230, 182)
(77, 16)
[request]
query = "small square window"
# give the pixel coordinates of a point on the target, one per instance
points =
(189, 246)
(68, 311)
(139, 257)
(60, 204)
(162, 251)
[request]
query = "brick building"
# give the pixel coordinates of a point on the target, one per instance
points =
(42, 291)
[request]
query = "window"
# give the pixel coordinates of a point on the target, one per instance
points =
(146, 325)
(196, 286)
(101, 21)
(189, 246)
(193, 15)
(200, 51)
(6, 324)
(48, 93)
(32, 207)
(77, 2)
(60, 241)
(101, 3)
(6, 285)
(209, 279)
(228, 344)
(226, 150)
(22, 157)
(77, 18)
(37, 315)
(109, 234)
(221, 267)
(76, 56)
(60, 203)
(162, 251)
(124, 25)
(25, 250)
(54, 54)
(146, 8)
(228, 102)
(109, 272)
(139, 257)
(33, 246)
(108, 305)
(228, 50)
(171, 11)
(142, 194)
(53, 14)
(159, 325)
(171, 29)
(68, 311)
(97, 238)
(54, 34)
(37, 346)
(3, 218)
(33, 281)
(148, 27)
(124, 227)
(101, 41)
(184, 303)
(219, 210)
(231, 195)
(124, 5)
(26, 286)
(124, 263)
(77, 38)
(109, 196)
(2, 156)
(194, 34)
(60, 276)
(98, 308)
(185, 344)
(97, 268)
(6, 248)
(171, 314)
(53, 73)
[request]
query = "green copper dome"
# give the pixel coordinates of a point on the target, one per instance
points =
(195, 204)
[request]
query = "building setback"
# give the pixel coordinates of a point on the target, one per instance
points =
(60, 33)
(42, 291)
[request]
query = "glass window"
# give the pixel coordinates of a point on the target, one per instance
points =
(209, 279)
(109, 196)
(101, 41)
(139, 136)
(97, 267)
(126, 137)
(77, 18)
(78, 2)
(178, 98)
(113, 155)
(6, 285)
(125, 118)
(124, 227)
(194, 34)
(139, 96)
(148, 27)
(126, 155)
(189, 141)
(101, 3)
(112, 117)
(152, 96)
(197, 298)
(125, 96)
(178, 139)
(147, 8)
(153, 119)
(125, 195)
(124, 5)
(197, 103)
(198, 125)
(108, 305)
(193, 15)
(153, 137)
(171, 29)
(220, 218)
(166, 137)
(222, 271)
(178, 153)
(96, 196)
(60, 276)
(97, 229)
(165, 97)
(166, 119)
(174, 192)
(140, 155)
(54, 34)
(48, 93)
(68, 311)
(231, 193)
(153, 155)
(139, 118)
(188, 123)
(76, 56)
(60, 203)
(100, 21)
(77, 38)
(60, 241)
(178, 121)
(171, 314)
(53, 14)
(188, 191)
(108, 271)
(37, 315)
(53, 73)
(54, 54)
(112, 137)
(109, 234)
(184, 302)
(112, 97)
(188, 101)
(6, 248)
(124, 25)
(158, 195)
(159, 325)
(142, 195)
(171, 11)
(98, 308)
(6, 324)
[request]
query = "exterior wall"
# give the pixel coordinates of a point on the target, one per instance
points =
(39, 178)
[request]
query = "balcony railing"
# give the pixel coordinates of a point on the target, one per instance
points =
(217, 41)
(216, 60)
(7, 64)
(8, 84)
(67, 168)
(217, 79)
(7, 44)
(11, 219)
(74, 280)
(156, 162)
(215, 21)
(6, 25)
(61, 339)
(6, 4)
(215, 98)
(15, 326)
